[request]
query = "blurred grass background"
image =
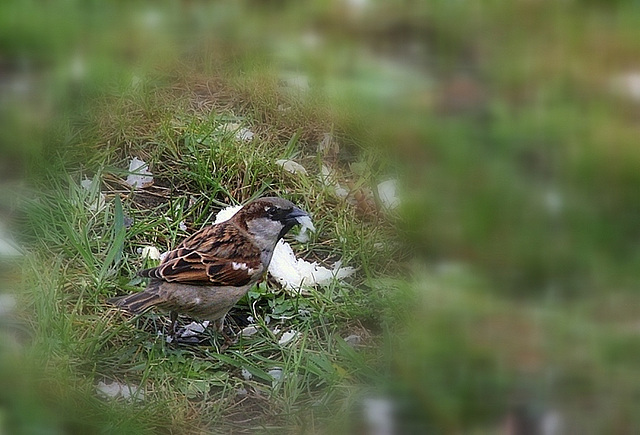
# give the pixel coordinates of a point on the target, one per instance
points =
(512, 127)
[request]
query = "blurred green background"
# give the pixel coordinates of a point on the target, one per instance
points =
(512, 128)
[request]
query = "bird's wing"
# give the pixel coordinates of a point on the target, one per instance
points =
(220, 255)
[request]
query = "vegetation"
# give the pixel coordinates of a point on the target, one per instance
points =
(500, 295)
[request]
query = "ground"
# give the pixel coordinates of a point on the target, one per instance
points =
(499, 297)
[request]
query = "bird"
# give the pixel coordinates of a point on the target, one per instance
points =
(211, 270)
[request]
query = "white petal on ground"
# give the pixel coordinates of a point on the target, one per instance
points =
(99, 203)
(116, 390)
(378, 414)
(151, 18)
(246, 374)
(7, 303)
(304, 312)
(230, 126)
(341, 192)
(305, 224)
(140, 175)
(240, 132)
(353, 340)
(276, 374)
(311, 40)
(227, 213)
(325, 144)
(302, 236)
(291, 166)
(150, 252)
(193, 329)
(245, 134)
(328, 179)
(129, 391)
(136, 81)
(295, 81)
(182, 226)
(388, 194)
(326, 176)
(627, 85)
(552, 423)
(198, 327)
(78, 67)
(86, 183)
(186, 333)
(109, 390)
(554, 202)
(356, 8)
(8, 248)
(287, 337)
(293, 273)
(249, 331)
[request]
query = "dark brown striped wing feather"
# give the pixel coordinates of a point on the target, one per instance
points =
(220, 254)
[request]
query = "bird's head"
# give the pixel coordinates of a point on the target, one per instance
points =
(269, 219)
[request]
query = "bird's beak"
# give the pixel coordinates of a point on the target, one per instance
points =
(296, 212)
(296, 216)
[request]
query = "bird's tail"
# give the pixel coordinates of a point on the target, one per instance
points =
(137, 303)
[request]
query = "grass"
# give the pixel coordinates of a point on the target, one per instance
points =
(503, 291)
(199, 167)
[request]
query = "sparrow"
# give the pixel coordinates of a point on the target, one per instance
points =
(206, 275)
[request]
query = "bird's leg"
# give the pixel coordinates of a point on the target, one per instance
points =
(219, 325)
(174, 320)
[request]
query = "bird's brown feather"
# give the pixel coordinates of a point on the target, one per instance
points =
(218, 254)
